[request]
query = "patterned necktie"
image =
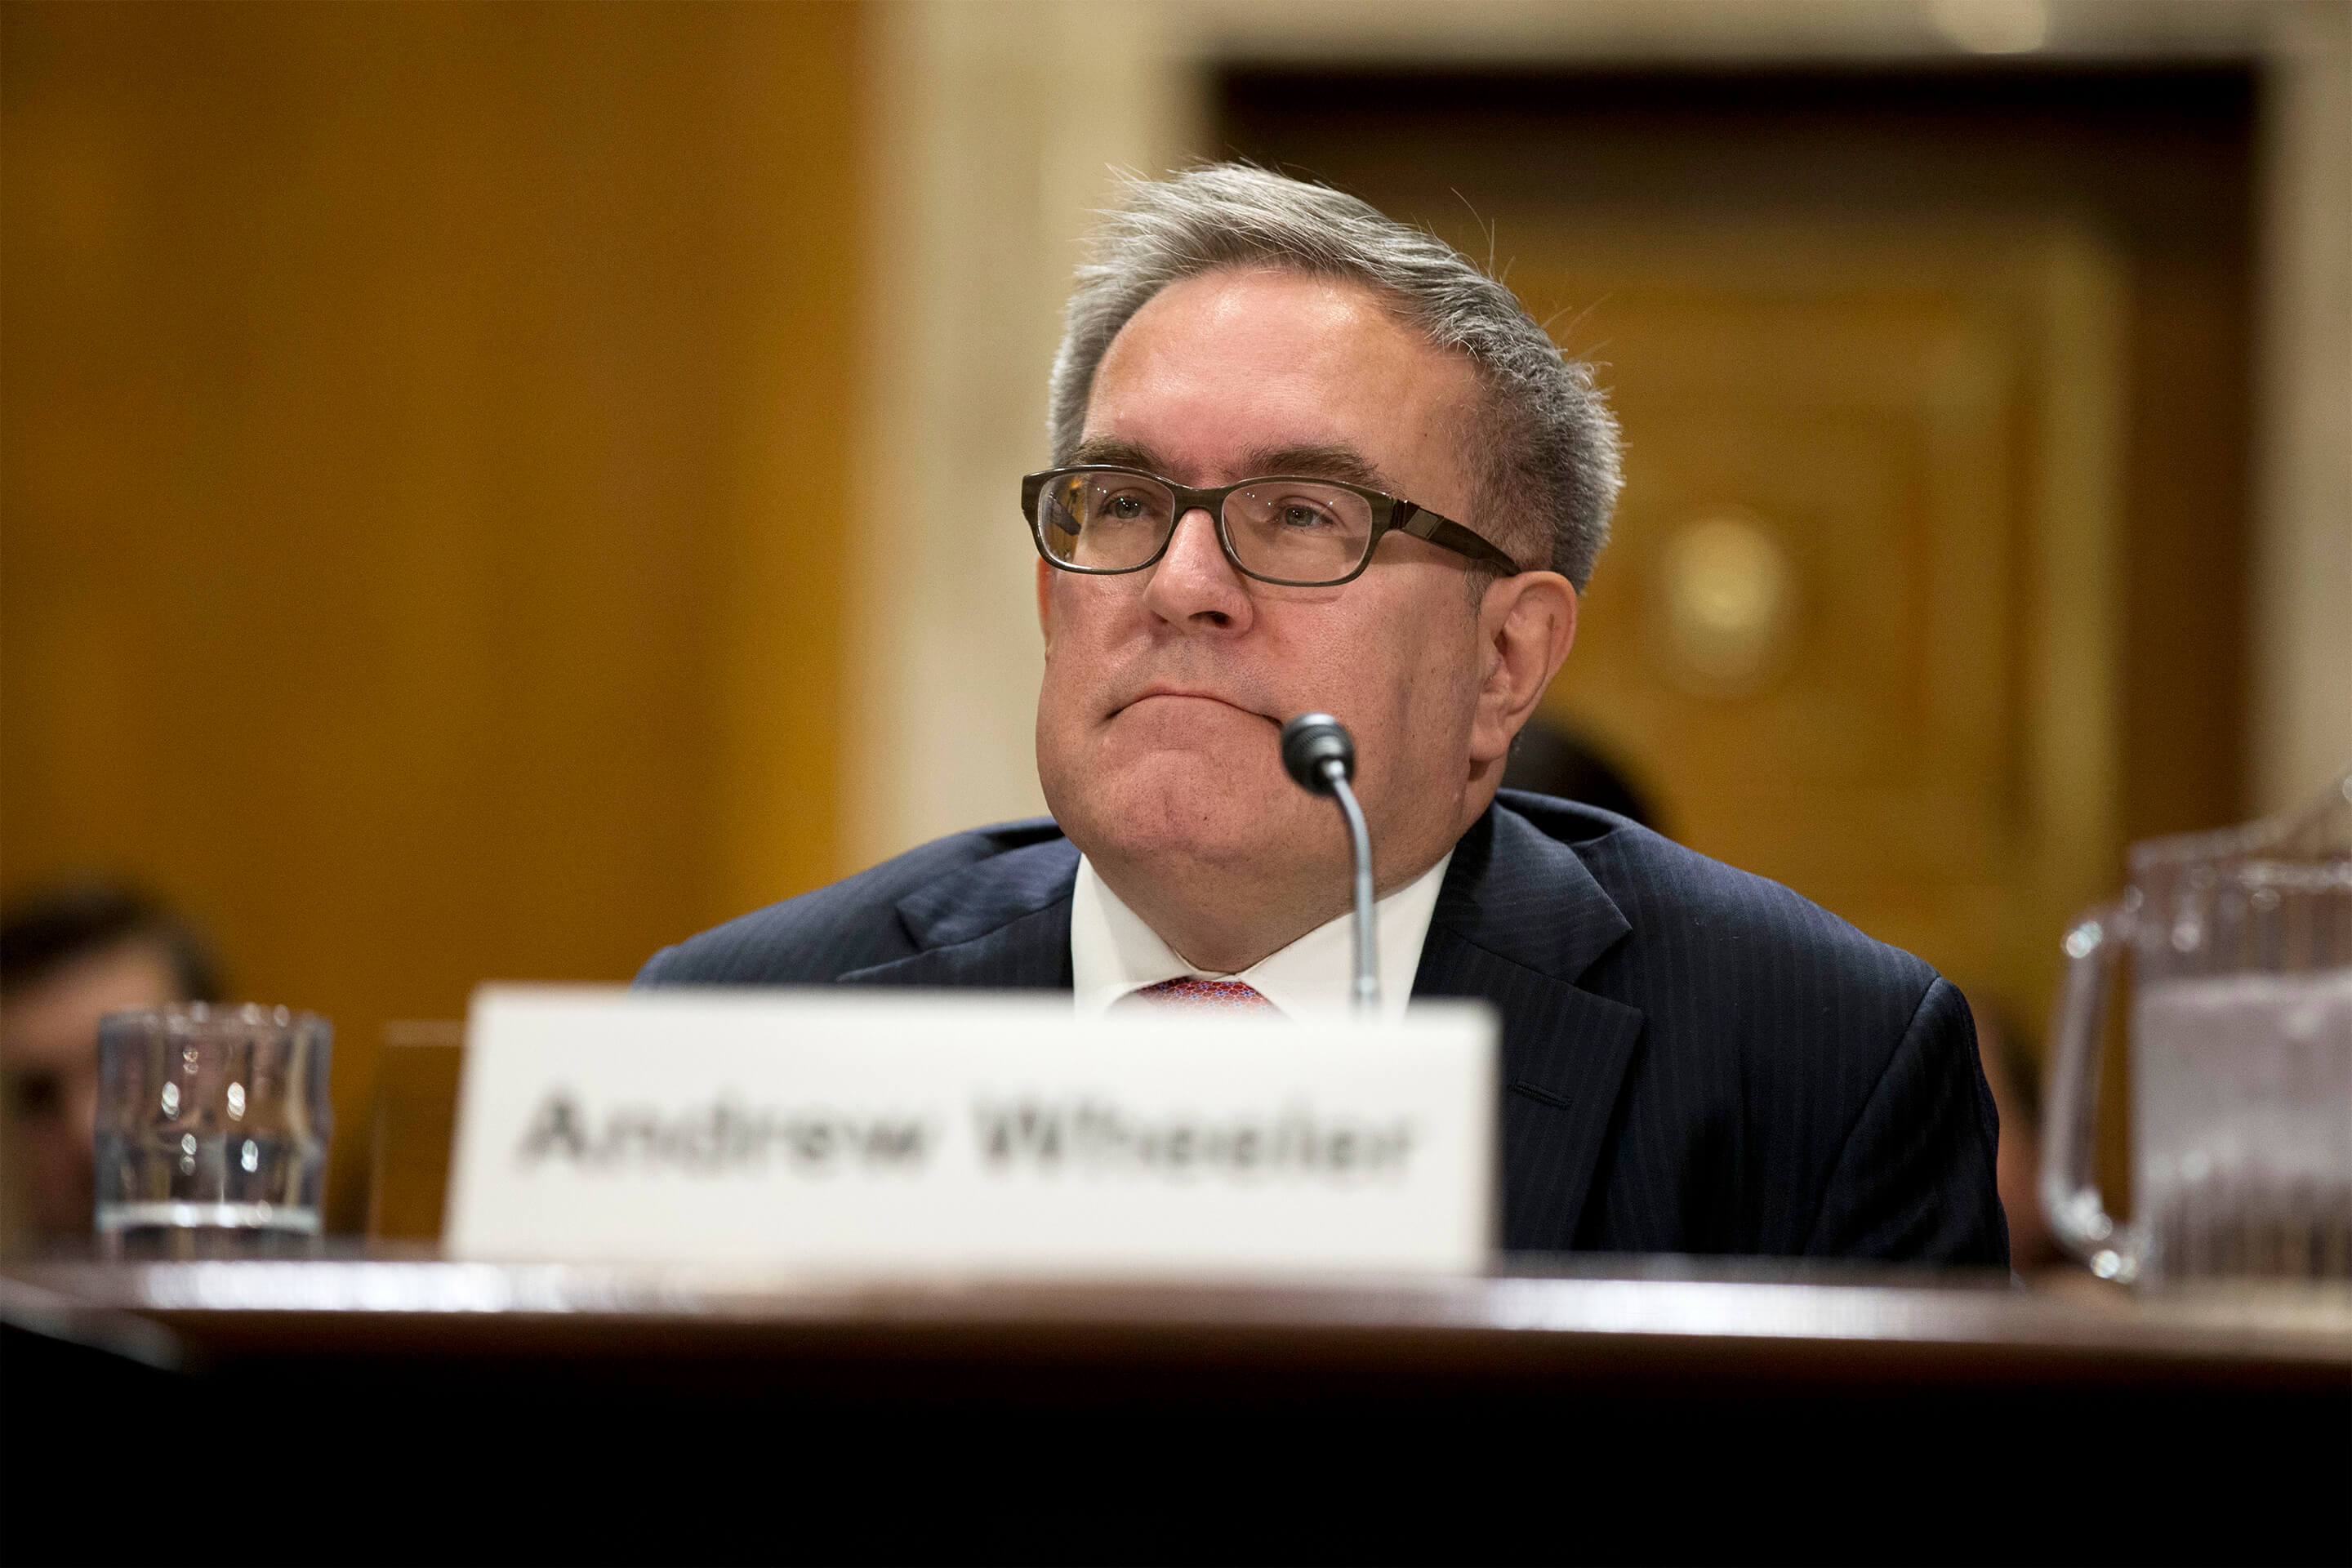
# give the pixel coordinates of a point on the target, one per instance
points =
(1221, 995)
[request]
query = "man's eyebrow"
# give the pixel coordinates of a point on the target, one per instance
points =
(1115, 453)
(1312, 462)
(1321, 462)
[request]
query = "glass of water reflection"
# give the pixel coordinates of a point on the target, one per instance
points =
(212, 1120)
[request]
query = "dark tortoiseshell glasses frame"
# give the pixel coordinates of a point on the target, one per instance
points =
(1389, 512)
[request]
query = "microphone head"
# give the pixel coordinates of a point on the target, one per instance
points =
(1310, 742)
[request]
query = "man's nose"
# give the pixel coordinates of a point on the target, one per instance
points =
(1194, 580)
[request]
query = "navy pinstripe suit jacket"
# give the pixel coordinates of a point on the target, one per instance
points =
(1696, 1060)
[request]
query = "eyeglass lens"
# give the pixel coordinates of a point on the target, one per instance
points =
(1293, 529)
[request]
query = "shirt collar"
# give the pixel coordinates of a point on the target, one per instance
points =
(1112, 952)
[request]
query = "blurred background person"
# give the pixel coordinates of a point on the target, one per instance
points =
(2014, 1075)
(1549, 760)
(68, 957)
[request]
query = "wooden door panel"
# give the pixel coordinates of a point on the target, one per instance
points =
(1810, 628)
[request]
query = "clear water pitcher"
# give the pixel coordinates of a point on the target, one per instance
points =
(2240, 1058)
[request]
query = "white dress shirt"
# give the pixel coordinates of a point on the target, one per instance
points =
(1112, 953)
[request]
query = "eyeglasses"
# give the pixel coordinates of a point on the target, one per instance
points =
(1294, 533)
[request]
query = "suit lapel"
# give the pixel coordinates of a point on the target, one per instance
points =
(1518, 920)
(1001, 924)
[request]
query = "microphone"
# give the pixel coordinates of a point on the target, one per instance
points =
(1320, 757)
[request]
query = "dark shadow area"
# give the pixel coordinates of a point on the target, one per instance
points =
(875, 1443)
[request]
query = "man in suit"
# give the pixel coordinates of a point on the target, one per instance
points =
(1310, 458)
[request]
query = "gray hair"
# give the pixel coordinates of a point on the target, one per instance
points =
(1550, 466)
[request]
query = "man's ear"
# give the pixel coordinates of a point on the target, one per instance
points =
(1045, 603)
(1526, 625)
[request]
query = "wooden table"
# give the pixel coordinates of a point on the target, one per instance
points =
(1618, 1409)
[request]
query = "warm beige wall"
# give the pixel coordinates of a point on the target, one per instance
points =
(2303, 558)
(422, 460)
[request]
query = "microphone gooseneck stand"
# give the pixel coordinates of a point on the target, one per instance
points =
(1320, 757)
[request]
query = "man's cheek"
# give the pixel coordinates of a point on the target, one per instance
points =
(1068, 692)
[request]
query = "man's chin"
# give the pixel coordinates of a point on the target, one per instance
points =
(1185, 807)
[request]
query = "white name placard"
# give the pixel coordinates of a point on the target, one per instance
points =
(905, 1133)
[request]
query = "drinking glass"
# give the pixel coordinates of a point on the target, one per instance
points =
(212, 1120)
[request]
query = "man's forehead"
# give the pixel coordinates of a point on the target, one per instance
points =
(1237, 373)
